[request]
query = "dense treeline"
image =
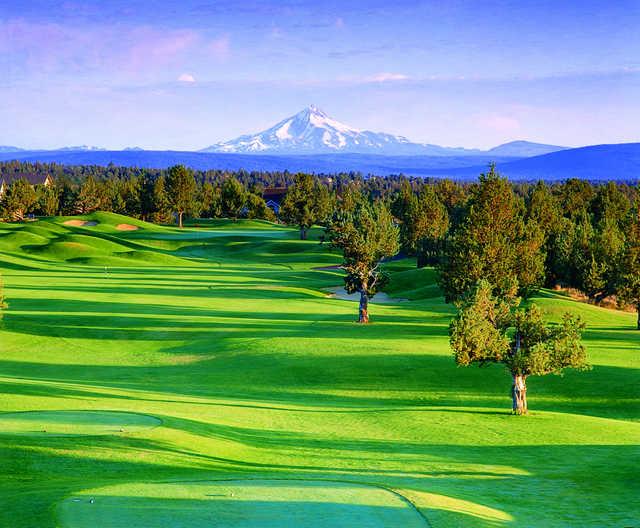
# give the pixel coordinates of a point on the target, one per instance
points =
(519, 236)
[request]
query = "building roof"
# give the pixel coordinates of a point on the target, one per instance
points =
(274, 193)
(33, 179)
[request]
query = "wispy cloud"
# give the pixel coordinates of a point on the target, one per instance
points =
(387, 77)
(115, 51)
(186, 78)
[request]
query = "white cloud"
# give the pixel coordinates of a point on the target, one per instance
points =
(187, 78)
(386, 77)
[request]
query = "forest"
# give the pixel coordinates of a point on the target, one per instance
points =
(574, 235)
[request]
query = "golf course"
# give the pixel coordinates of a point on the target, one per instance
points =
(210, 376)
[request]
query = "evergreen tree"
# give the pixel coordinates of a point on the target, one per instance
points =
(48, 199)
(305, 204)
(258, 208)
(233, 197)
(487, 330)
(494, 243)
(161, 212)
(424, 226)
(365, 236)
(629, 282)
(181, 190)
(19, 199)
(211, 201)
(89, 198)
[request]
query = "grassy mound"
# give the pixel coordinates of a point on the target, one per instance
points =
(239, 504)
(74, 423)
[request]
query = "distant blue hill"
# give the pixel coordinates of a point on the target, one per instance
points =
(599, 162)
(318, 163)
(620, 162)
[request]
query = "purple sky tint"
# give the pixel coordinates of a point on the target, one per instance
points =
(185, 74)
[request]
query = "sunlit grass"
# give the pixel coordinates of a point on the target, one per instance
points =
(224, 333)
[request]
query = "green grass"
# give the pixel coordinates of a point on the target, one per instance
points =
(257, 384)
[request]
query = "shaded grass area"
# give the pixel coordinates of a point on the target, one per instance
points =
(229, 340)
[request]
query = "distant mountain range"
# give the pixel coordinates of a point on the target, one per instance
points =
(311, 141)
(599, 162)
(312, 131)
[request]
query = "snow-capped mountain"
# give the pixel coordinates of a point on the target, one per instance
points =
(312, 131)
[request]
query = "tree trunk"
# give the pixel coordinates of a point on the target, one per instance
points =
(519, 394)
(180, 219)
(303, 233)
(363, 313)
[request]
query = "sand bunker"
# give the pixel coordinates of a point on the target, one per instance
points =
(338, 292)
(126, 227)
(81, 223)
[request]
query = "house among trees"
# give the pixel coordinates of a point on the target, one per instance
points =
(34, 179)
(273, 197)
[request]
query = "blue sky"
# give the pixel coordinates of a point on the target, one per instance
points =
(184, 74)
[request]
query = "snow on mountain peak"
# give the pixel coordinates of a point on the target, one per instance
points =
(313, 131)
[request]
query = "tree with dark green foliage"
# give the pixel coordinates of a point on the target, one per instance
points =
(424, 226)
(90, 197)
(495, 243)
(490, 329)
(233, 197)
(48, 199)
(19, 199)
(544, 209)
(454, 197)
(629, 282)
(258, 208)
(161, 212)
(366, 236)
(181, 190)
(576, 196)
(210, 201)
(305, 203)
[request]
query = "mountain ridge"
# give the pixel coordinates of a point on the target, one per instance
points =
(312, 131)
(619, 162)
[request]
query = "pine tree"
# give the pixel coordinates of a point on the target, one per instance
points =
(488, 330)
(233, 197)
(365, 236)
(305, 204)
(495, 243)
(181, 190)
(629, 283)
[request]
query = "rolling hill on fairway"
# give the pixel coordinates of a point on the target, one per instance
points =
(156, 377)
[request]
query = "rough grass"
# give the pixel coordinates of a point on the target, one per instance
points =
(228, 339)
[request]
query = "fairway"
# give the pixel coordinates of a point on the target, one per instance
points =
(204, 377)
(74, 422)
(239, 504)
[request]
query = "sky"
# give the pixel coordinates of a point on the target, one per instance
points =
(185, 74)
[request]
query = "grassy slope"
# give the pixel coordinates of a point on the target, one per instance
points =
(225, 336)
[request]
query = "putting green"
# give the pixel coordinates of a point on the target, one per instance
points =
(238, 504)
(74, 423)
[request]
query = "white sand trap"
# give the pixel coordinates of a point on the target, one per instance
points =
(81, 223)
(239, 504)
(338, 292)
(126, 227)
